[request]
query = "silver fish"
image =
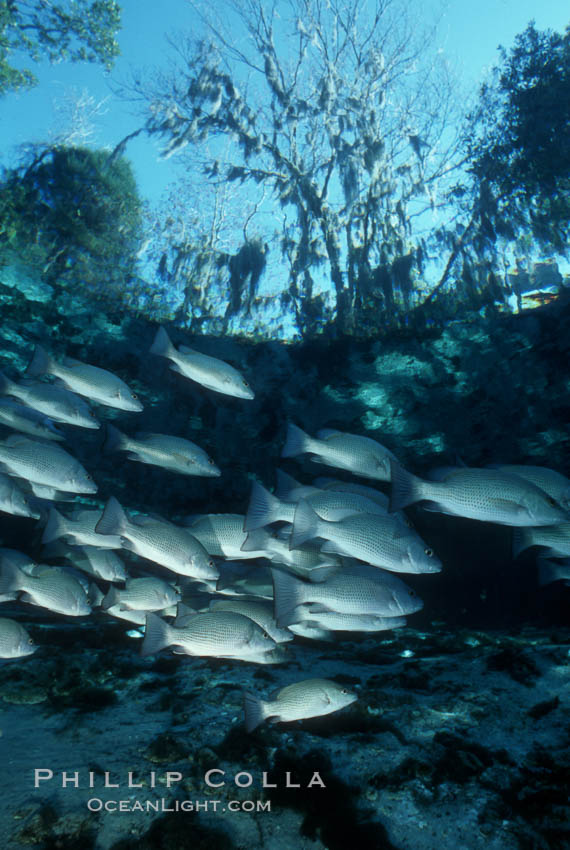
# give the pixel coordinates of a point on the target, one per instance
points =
(174, 453)
(44, 463)
(318, 616)
(159, 541)
(483, 494)
(360, 590)
(260, 612)
(96, 384)
(51, 588)
(360, 455)
(304, 560)
(15, 642)
(555, 538)
(99, 563)
(222, 535)
(221, 634)
(137, 618)
(265, 508)
(310, 631)
(381, 499)
(141, 594)
(50, 494)
(79, 529)
(57, 403)
(549, 480)
(208, 371)
(27, 420)
(244, 579)
(14, 500)
(309, 698)
(380, 540)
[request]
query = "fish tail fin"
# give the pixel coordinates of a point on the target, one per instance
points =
(55, 527)
(115, 440)
(404, 487)
(285, 484)
(184, 614)
(305, 525)
(287, 593)
(293, 617)
(40, 364)
(10, 578)
(296, 442)
(95, 596)
(162, 344)
(548, 572)
(255, 540)
(111, 598)
(254, 711)
(156, 635)
(264, 508)
(113, 519)
(522, 539)
(5, 384)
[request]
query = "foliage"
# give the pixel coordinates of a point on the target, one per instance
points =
(70, 30)
(520, 145)
(339, 115)
(514, 197)
(80, 212)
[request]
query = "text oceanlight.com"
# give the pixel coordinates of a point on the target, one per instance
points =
(96, 804)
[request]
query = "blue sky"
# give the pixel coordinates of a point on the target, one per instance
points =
(469, 33)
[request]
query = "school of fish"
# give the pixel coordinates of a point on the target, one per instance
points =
(307, 559)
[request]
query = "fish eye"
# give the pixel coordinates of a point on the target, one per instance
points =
(412, 593)
(550, 500)
(245, 383)
(211, 563)
(134, 395)
(265, 635)
(31, 641)
(210, 461)
(428, 552)
(344, 691)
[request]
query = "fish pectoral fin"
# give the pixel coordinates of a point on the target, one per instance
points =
(182, 459)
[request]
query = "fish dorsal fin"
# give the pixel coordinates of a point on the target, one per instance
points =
(143, 435)
(17, 440)
(328, 433)
(444, 473)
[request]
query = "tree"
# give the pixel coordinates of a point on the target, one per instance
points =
(342, 113)
(514, 196)
(70, 30)
(520, 144)
(79, 212)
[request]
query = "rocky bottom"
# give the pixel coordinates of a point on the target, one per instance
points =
(457, 740)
